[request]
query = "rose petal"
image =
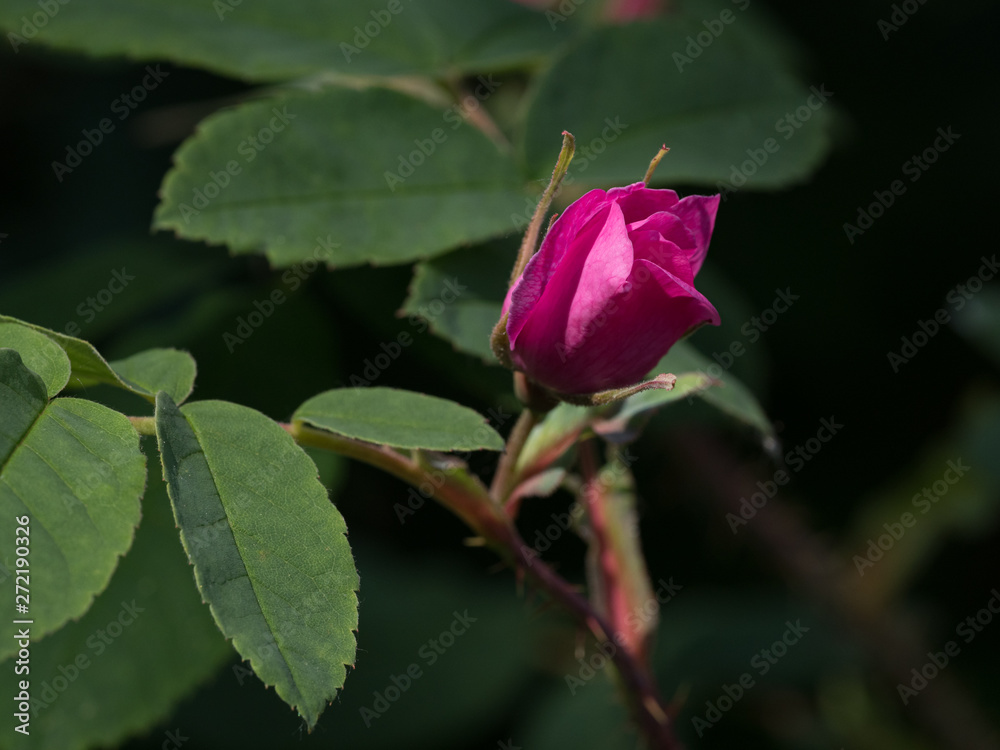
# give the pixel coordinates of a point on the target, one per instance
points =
(667, 255)
(638, 201)
(527, 290)
(576, 294)
(697, 212)
(675, 287)
(671, 227)
(641, 324)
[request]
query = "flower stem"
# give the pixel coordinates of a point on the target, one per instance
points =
(503, 479)
(499, 342)
(473, 505)
(487, 518)
(647, 709)
(530, 241)
(608, 570)
(654, 164)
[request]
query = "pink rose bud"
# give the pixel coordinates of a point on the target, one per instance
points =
(611, 289)
(622, 11)
(618, 11)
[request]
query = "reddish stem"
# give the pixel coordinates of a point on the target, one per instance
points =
(615, 600)
(487, 518)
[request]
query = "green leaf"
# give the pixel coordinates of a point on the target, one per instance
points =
(733, 96)
(269, 549)
(146, 642)
(86, 363)
(24, 400)
(402, 419)
(542, 484)
(459, 294)
(156, 370)
(74, 468)
(730, 396)
(269, 40)
(688, 384)
(153, 370)
(39, 353)
(552, 437)
(350, 177)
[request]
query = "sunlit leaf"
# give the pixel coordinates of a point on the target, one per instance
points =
(73, 470)
(399, 418)
(339, 177)
(269, 550)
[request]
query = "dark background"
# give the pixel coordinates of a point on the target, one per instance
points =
(826, 357)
